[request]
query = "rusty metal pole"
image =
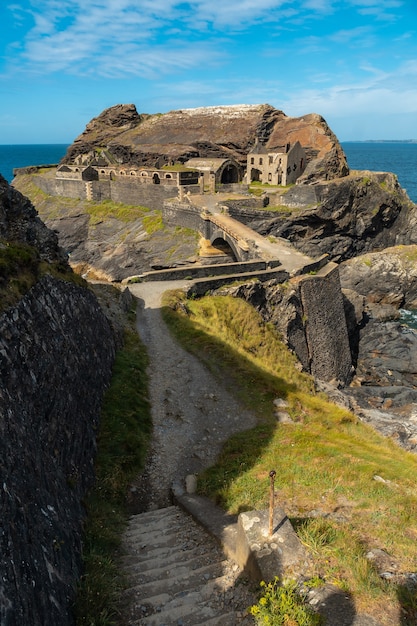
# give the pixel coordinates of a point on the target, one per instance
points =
(272, 475)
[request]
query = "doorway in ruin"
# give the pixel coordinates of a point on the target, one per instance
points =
(155, 179)
(230, 174)
(255, 175)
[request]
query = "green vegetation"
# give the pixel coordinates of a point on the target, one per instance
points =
(122, 443)
(326, 460)
(177, 167)
(154, 222)
(21, 267)
(19, 270)
(100, 211)
(282, 605)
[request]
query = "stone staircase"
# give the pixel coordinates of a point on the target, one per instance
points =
(178, 575)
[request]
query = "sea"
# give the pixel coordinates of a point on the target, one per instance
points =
(32, 154)
(386, 156)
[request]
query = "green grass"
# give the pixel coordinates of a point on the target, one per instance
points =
(100, 211)
(122, 444)
(21, 267)
(153, 223)
(325, 460)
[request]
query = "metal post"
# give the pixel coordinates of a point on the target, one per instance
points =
(272, 475)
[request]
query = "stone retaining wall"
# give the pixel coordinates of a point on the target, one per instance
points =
(56, 355)
(127, 191)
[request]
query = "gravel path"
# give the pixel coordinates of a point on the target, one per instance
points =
(193, 414)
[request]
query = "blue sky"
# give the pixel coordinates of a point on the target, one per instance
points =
(63, 62)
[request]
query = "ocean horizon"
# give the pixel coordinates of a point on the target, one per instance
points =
(23, 155)
(398, 157)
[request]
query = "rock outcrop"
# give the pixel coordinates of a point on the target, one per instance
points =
(56, 354)
(19, 222)
(209, 132)
(387, 277)
(308, 312)
(384, 389)
(343, 218)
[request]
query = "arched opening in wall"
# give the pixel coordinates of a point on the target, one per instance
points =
(155, 179)
(255, 175)
(230, 174)
(224, 248)
(168, 176)
(112, 175)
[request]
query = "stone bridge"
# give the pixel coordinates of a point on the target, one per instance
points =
(246, 244)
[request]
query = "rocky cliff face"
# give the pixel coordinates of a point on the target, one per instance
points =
(56, 354)
(19, 222)
(308, 312)
(223, 131)
(384, 390)
(343, 218)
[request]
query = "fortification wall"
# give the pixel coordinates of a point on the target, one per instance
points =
(126, 190)
(134, 192)
(56, 354)
(62, 187)
(181, 213)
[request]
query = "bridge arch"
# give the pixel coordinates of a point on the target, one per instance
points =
(221, 240)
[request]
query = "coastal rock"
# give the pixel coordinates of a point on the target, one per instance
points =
(56, 355)
(210, 132)
(386, 277)
(19, 222)
(103, 128)
(342, 218)
(308, 311)
(110, 246)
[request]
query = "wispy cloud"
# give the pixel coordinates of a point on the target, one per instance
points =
(103, 35)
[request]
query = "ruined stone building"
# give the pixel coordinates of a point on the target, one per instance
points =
(276, 167)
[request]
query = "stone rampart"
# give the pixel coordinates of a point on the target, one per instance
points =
(62, 187)
(127, 190)
(56, 354)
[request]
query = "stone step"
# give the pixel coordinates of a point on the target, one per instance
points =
(153, 520)
(227, 619)
(177, 574)
(165, 554)
(175, 568)
(188, 579)
(189, 608)
(131, 564)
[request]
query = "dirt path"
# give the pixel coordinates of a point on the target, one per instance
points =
(193, 414)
